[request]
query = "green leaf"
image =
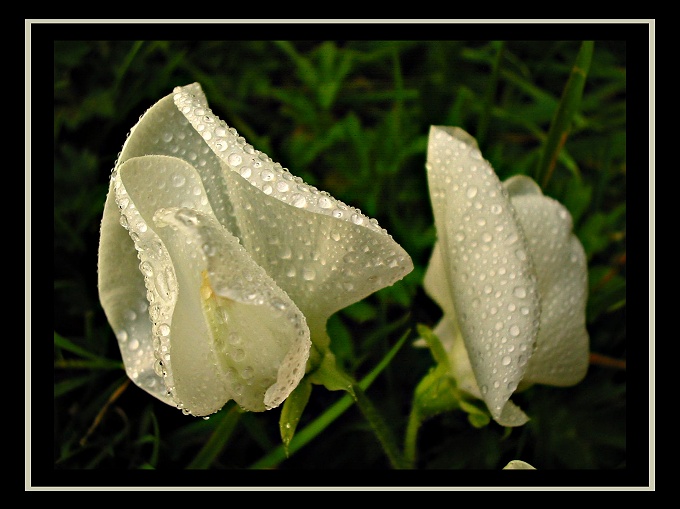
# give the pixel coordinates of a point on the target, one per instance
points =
(292, 411)
(561, 122)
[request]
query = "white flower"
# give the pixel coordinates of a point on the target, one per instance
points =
(218, 268)
(509, 275)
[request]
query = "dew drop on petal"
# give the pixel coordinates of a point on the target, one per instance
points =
(178, 180)
(520, 292)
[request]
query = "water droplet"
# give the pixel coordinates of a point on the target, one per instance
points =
(286, 253)
(506, 360)
(146, 268)
(308, 274)
(133, 345)
(164, 329)
(514, 330)
(267, 189)
(471, 192)
(337, 213)
(520, 292)
(267, 175)
(299, 201)
(357, 219)
(459, 236)
(325, 202)
(282, 186)
(246, 172)
(496, 209)
(178, 180)
(158, 367)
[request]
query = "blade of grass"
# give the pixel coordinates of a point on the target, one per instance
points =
(561, 122)
(306, 435)
(484, 118)
(217, 441)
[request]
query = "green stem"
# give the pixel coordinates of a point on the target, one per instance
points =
(411, 438)
(380, 428)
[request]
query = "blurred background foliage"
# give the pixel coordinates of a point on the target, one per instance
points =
(352, 118)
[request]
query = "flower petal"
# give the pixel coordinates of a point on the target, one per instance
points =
(164, 130)
(181, 267)
(491, 277)
(436, 282)
(260, 340)
(123, 296)
(561, 354)
(323, 253)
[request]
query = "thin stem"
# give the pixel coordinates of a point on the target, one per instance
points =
(380, 428)
(411, 438)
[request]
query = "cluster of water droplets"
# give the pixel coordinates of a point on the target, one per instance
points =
(258, 168)
(261, 340)
(159, 279)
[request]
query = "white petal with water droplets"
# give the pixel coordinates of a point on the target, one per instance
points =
(259, 338)
(561, 354)
(488, 269)
(323, 263)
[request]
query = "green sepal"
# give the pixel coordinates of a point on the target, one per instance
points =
(477, 416)
(436, 393)
(292, 410)
(435, 346)
(330, 375)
